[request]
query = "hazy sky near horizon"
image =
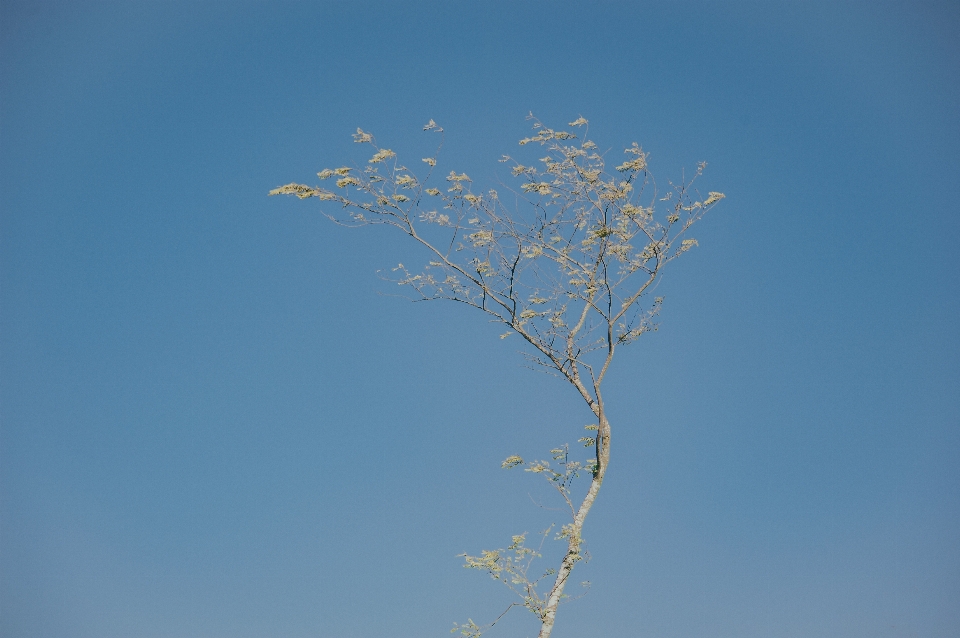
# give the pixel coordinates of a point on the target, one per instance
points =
(212, 425)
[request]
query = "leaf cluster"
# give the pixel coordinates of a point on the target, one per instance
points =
(511, 566)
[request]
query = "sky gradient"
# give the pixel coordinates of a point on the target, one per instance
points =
(212, 425)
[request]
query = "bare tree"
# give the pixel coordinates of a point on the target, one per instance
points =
(567, 261)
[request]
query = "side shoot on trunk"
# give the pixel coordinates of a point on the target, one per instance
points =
(567, 261)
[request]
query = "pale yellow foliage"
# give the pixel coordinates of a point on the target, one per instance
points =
(362, 138)
(381, 155)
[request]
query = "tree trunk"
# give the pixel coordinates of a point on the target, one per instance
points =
(575, 540)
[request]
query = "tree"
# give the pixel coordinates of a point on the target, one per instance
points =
(567, 262)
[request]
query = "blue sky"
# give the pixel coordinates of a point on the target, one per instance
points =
(213, 424)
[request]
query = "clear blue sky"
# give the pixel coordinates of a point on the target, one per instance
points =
(213, 426)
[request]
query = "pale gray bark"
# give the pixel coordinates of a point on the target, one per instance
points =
(573, 555)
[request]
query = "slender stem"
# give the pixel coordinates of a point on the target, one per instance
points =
(574, 542)
(573, 554)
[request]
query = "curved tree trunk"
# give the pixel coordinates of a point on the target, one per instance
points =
(573, 554)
